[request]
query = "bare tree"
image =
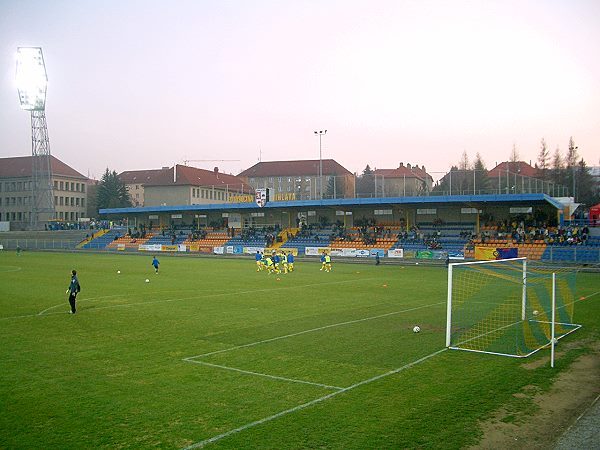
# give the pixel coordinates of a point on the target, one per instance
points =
(514, 155)
(543, 159)
(572, 156)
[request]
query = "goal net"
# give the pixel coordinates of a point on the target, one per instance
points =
(505, 307)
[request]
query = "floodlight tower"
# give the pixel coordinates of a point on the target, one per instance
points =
(32, 82)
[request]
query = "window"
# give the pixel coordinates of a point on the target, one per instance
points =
(19, 201)
(82, 187)
(72, 201)
(62, 188)
(77, 201)
(72, 186)
(83, 202)
(56, 185)
(60, 200)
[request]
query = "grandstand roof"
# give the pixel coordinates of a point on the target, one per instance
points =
(518, 167)
(458, 200)
(404, 171)
(294, 168)
(21, 166)
(186, 176)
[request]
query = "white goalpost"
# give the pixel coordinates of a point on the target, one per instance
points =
(511, 307)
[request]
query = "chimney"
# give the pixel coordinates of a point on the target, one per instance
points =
(408, 165)
(423, 168)
(216, 170)
(401, 165)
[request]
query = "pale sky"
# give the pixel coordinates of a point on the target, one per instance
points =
(145, 84)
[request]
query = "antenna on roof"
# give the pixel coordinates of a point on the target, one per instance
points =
(186, 161)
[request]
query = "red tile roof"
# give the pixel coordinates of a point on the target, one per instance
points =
(21, 166)
(140, 176)
(185, 176)
(518, 167)
(294, 168)
(404, 171)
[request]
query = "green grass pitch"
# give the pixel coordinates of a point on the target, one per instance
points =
(211, 354)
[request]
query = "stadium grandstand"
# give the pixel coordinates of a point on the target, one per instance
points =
(433, 227)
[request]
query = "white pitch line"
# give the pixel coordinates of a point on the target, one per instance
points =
(14, 269)
(225, 294)
(252, 344)
(275, 377)
(311, 403)
(41, 313)
(222, 294)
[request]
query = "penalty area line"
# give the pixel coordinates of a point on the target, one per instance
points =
(218, 437)
(299, 333)
(265, 375)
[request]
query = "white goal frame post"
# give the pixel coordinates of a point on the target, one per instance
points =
(519, 321)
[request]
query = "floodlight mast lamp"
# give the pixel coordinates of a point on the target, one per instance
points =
(320, 134)
(32, 83)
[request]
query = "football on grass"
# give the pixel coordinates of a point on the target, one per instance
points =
(416, 329)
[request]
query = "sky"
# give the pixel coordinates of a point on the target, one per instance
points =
(147, 84)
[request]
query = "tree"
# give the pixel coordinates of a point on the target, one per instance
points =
(482, 182)
(557, 170)
(335, 187)
(514, 154)
(543, 159)
(569, 174)
(112, 193)
(571, 159)
(365, 183)
(447, 184)
(584, 185)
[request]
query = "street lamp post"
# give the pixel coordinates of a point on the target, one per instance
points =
(320, 134)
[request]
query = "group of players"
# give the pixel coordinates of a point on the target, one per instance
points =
(277, 262)
(282, 262)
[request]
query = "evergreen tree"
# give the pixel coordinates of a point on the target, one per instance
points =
(365, 183)
(585, 191)
(112, 193)
(482, 182)
(335, 187)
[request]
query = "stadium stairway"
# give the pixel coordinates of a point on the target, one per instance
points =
(100, 242)
(88, 239)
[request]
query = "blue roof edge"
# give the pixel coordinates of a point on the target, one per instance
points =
(497, 198)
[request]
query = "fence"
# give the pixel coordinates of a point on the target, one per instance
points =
(38, 244)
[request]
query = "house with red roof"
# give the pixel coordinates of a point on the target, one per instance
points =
(520, 168)
(182, 185)
(405, 180)
(300, 179)
(70, 191)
